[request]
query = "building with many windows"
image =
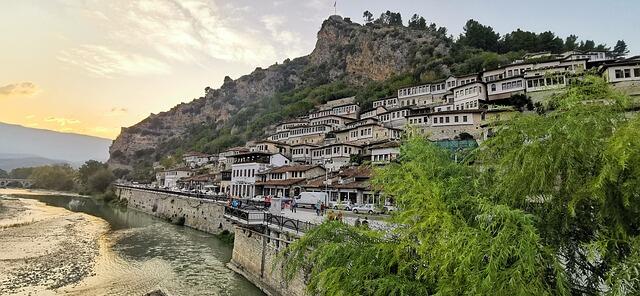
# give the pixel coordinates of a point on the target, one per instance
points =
(286, 181)
(247, 165)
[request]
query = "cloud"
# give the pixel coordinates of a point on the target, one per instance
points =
(193, 31)
(61, 120)
(19, 89)
(109, 63)
(30, 116)
(275, 24)
(116, 111)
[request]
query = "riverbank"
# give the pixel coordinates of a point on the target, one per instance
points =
(107, 250)
(44, 248)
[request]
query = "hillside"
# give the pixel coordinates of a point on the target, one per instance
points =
(346, 55)
(39, 146)
(366, 61)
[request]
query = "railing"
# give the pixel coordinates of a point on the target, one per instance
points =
(194, 195)
(250, 217)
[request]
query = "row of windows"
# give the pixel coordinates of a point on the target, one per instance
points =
(467, 91)
(549, 81)
(508, 85)
(387, 102)
(308, 130)
(335, 150)
(418, 120)
(243, 173)
(381, 157)
(298, 151)
(326, 121)
(363, 132)
(446, 119)
(626, 73)
(416, 90)
(393, 115)
(334, 111)
(467, 105)
(452, 84)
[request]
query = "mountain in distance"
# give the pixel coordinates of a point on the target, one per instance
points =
(10, 161)
(23, 147)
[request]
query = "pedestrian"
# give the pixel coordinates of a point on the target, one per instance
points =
(323, 208)
(317, 208)
(294, 205)
(357, 223)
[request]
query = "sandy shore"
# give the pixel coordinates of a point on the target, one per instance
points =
(43, 249)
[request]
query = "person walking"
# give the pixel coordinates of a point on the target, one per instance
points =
(293, 205)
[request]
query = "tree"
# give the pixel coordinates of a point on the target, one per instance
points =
(548, 206)
(54, 177)
(368, 16)
(620, 50)
(390, 18)
(121, 173)
(571, 43)
(417, 22)
(21, 173)
(89, 168)
(4, 174)
(587, 45)
(100, 180)
(479, 36)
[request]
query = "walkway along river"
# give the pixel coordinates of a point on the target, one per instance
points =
(145, 253)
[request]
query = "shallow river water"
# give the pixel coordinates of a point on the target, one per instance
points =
(146, 252)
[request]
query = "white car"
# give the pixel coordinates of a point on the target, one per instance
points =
(367, 208)
(341, 205)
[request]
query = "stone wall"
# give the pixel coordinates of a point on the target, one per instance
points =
(204, 215)
(254, 255)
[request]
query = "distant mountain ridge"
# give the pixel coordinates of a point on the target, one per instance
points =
(23, 146)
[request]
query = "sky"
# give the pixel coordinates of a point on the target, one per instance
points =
(93, 66)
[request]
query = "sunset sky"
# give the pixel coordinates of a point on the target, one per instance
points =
(91, 67)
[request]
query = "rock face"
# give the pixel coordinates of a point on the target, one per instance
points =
(344, 51)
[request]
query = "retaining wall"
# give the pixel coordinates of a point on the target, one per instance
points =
(204, 215)
(254, 255)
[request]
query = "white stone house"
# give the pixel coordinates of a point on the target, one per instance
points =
(247, 165)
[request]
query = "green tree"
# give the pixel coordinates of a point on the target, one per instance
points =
(21, 173)
(620, 50)
(54, 177)
(479, 36)
(121, 173)
(571, 43)
(548, 206)
(89, 168)
(4, 174)
(100, 180)
(390, 18)
(368, 16)
(417, 22)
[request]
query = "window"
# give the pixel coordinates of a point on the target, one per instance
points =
(618, 73)
(446, 119)
(435, 120)
(529, 83)
(455, 118)
(627, 73)
(493, 87)
(464, 118)
(636, 72)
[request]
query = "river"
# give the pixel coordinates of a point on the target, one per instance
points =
(146, 252)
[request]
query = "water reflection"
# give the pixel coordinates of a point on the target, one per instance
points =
(152, 253)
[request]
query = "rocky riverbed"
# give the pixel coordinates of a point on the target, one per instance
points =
(45, 248)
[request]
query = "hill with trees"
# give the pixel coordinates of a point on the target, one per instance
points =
(369, 61)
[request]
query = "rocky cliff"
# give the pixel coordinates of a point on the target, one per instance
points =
(344, 51)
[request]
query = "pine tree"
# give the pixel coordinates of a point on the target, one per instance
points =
(620, 50)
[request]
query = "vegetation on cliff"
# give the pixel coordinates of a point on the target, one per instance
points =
(546, 207)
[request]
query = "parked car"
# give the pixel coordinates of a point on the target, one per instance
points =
(366, 208)
(258, 198)
(341, 205)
